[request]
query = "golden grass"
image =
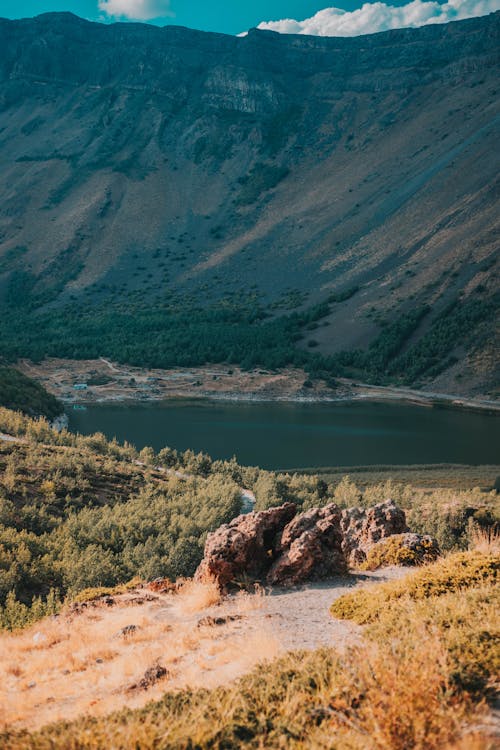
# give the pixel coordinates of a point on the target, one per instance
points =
(456, 572)
(486, 541)
(375, 698)
(247, 603)
(81, 663)
(416, 683)
(457, 598)
(468, 626)
(195, 596)
(70, 662)
(474, 741)
(404, 697)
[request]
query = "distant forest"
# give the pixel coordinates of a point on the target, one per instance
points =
(20, 393)
(247, 334)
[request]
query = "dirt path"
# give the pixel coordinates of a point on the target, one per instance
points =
(109, 364)
(299, 618)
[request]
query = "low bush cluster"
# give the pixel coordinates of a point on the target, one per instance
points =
(456, 598)
(19, 392)
(454, 573)
(399, 550)
(467, 624)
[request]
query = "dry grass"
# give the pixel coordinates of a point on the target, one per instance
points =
(474, 741)
(194, 596)
(486, 541)
(376, 698)
(454, 573)
(468, 627)
(68, 664)
(405, 688)
(80, 663)
(368, 702)
(395, 698)
(247, 603)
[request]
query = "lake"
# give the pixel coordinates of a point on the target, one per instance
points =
(289, 435)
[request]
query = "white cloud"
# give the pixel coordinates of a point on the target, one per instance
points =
(137, 10)
(373, 17)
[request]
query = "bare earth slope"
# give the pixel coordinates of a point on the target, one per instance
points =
(139, 159)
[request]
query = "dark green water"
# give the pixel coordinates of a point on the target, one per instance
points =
(285, 436)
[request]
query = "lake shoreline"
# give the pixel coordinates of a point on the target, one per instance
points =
(425, 401)
(80, 383)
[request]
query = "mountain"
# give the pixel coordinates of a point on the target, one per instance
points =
(155, 180)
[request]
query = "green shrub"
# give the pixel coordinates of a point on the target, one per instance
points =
(453, 573)
(20, 393)
(14, 614)
(395, 550)
(98, 592)
(467, 623)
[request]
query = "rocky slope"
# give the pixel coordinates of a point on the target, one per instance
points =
(143, 161)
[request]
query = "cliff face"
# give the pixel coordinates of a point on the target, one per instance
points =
(158, 160)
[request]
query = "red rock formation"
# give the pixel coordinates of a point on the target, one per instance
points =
(363, 527)
(285, 549)
(245, 547)
(310, 547)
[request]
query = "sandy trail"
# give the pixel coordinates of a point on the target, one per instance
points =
(81, 663)
(10, 438)
(300, 617)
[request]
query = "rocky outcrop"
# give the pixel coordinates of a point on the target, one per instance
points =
(285, 549)
(309, 547)
(364, 527)
(245, 547)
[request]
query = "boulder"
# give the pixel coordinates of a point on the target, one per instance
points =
(245, 547)
(151, 676)
(364, 527)
(310, 547)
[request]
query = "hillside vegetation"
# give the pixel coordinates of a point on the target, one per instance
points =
(82, 516)
(79, 512)
(20, 393)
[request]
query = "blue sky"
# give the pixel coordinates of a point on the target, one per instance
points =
(228, 16)
(334, 18)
